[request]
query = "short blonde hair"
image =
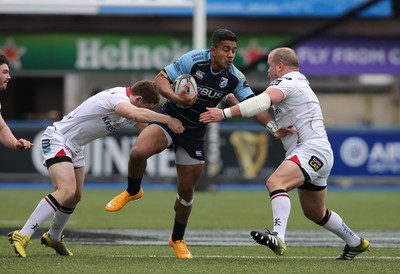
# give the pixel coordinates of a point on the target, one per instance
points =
(285, 55)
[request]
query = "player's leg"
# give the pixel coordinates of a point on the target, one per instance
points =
(63, 178)
(151, 140)
(54, 238)
(313, 204)
(286, 177)
(188, 177)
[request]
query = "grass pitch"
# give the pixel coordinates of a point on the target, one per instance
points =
(373, 211)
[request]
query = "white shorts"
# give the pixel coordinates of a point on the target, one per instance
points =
(54, 144)
(315, 160)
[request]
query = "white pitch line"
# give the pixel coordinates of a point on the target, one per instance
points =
(251, 257)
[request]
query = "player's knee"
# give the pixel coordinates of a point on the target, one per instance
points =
(70, 196)
(77, 197)
(271, 184)
(314, 215)
(137, 154)
(187, 201)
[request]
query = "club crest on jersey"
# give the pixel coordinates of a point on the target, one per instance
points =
(46, 145)
(223, 82)
(315, 163)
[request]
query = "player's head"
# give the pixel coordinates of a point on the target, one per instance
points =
(223, 35)
(281, 61)
(145, 94)
(4, 72)
(223, 49)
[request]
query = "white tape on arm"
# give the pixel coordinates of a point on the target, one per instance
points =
(255, 105)
(226, 112)
(272, 127)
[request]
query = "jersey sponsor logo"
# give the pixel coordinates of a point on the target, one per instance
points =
(46, 146)
(278, 81)
(197, 57)
(177, 66)
(315, 163)
(200, 74)
(239, 74)
(210, 93)
(109, 126)
(277, 111)
(223, 82)
(275, 82)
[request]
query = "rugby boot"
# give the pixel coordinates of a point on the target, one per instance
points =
(122, 199)
(350, 252)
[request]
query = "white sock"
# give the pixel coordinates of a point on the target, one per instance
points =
(42, 212)
(58, 223)
(280, 202)
(336, 225)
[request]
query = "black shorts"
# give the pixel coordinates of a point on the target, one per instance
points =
(192, 140)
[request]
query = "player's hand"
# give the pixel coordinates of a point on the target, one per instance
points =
(23, 144)
(184, 99)
(211, 115)
(175, 125)
(282, 132)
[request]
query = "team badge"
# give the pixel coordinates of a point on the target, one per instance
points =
(223, 82)
(46, 145)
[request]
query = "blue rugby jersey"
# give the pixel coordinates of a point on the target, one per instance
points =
(212, 86)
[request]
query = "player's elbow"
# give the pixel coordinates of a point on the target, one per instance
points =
(255, 105)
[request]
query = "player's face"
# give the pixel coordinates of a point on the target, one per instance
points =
(272, 69)
(4, 76)
(146, 105)
(223, 55)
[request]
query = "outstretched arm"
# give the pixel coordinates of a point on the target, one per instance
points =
(247, 108)
(144, 115)
(8, 139)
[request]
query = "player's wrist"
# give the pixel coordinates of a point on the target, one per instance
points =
(271, 126)
(226, 113)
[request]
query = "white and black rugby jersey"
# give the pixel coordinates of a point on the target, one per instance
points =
(95, 117)
(300, 108)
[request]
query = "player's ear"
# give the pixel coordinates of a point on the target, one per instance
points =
(137, 100)
(213, 50)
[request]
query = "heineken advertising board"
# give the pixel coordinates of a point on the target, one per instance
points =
(92, 52)
(115, 53)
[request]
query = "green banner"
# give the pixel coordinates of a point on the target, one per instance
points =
(103, 52)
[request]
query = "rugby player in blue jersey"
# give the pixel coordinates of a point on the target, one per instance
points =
(216, 78)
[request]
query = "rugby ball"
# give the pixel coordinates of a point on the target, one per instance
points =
(181, 82)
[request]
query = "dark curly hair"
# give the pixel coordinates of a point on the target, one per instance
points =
(222, 35)
(4, 60)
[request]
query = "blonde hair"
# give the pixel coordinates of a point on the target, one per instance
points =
(287, 56)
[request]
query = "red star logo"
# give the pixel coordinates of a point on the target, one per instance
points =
(252, 53)
(13, 53)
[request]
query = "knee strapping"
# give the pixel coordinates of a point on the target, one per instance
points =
(183, 201)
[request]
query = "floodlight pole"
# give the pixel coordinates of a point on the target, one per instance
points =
(199, 24)
(213, 163)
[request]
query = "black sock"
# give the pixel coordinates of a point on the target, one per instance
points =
(134, 185)
(178, 231)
